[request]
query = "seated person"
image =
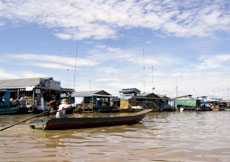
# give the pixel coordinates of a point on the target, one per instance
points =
(13, 102)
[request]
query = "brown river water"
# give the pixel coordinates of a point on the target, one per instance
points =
(165, 136)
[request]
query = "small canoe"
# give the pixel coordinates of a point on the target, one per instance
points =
(8, 110)
(75, 123)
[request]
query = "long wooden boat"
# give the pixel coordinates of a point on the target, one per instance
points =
(75, 123)
(8, 110)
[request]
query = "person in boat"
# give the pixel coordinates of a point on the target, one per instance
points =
(14, 102)
(62, 108)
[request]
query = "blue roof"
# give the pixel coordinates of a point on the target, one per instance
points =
(130, 90)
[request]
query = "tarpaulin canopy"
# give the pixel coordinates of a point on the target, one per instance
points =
(185, 102)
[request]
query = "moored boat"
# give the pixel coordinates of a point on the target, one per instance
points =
(75, 123)
(6, 107)
(9, 110)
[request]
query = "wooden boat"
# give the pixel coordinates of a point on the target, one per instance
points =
(8, 110)
(5, 104)
(75, 123)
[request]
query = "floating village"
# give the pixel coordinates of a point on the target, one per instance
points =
(36, 95)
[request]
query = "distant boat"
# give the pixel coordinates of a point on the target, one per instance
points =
(76, 123)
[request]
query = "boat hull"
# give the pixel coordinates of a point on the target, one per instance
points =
(9, 111)
(76, 123)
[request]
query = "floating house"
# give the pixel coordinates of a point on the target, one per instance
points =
(215, 104)
(98, 100)
(204, 103)
(132, 98)
(127, 99)
(225, 104)
(34, 93)
(186, 102)
(155, 101)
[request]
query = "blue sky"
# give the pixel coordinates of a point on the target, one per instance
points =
(185, 44)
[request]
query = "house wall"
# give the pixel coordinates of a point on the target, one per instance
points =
(124, 104)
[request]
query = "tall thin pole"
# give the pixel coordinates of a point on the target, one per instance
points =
(67, 77)
(176, 87)
(228, 94)
(89, 85)
(152, 78)
(144, 67)
(75, 66)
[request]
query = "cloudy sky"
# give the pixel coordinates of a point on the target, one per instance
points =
(119, 44)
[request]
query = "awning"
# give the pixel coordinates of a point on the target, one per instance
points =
(186, 102)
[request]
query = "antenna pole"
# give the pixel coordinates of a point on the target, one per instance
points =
(89, 85)
(144, 67)
(67, 77)
(75, 65)
(152, 78)
(176, 86)
(228, 94)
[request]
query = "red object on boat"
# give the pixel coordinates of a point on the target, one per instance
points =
(52, 102)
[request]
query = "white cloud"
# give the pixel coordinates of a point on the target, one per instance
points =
(148, 42)
(107, 79)
(76, 19)
(132, 56)
(1, 23)
(7, 75)
(191, 81)
(50, 61)
(108, 70)
(100, 46)
(196, 81)
(50, 65)
(211, 62)
(20, 74)
(202, 83)
(63, 36)
(32, 74)
(188, 82)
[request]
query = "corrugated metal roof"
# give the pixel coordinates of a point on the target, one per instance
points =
(151, 93)
(20, 83)
(130, 90)
(90, 93)
(144, 94)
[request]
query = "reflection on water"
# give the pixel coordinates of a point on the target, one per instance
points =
(173, 136)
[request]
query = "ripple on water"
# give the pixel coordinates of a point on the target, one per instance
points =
(166, 136)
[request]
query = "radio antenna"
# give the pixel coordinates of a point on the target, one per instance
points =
(144, 67)
(75, 66)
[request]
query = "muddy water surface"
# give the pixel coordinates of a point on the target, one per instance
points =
(166, 136)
